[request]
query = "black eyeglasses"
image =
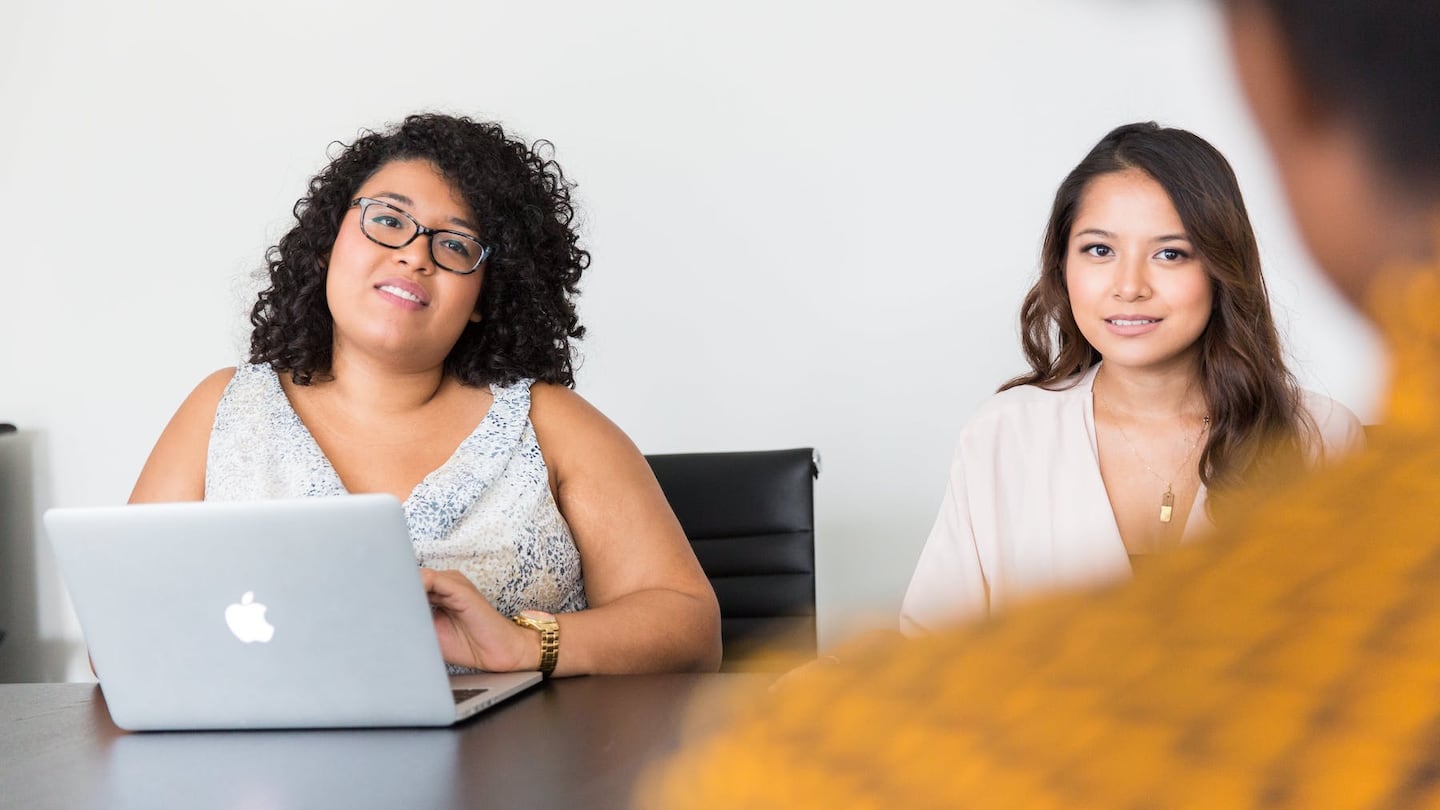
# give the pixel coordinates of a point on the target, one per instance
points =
(386, 225)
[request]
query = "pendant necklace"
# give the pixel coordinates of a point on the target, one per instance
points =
(1167, 501)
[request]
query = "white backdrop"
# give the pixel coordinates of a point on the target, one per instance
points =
(812, 222)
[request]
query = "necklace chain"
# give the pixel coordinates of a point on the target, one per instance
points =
(1167, 501)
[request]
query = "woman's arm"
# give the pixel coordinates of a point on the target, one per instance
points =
(651, 607)
(948, 584)
(175, 470)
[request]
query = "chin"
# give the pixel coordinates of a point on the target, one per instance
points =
(1147, 360)
(399, 351)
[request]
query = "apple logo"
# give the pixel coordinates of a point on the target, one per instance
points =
(247, 620)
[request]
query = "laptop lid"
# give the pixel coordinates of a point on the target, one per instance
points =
(270, 614)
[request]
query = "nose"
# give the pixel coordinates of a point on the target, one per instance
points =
(417, 255)
(1132, 281)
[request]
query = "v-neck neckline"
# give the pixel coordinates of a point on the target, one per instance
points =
(1092, 430)
(312, 447)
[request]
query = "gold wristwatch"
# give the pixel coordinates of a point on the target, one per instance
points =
(549, 630)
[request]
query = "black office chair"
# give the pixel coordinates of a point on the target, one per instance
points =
(751, 519)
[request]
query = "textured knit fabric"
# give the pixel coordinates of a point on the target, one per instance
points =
(1288, 663)
(1026, 511)
(487, 511)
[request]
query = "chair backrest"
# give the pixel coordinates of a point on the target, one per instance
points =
(751, 519)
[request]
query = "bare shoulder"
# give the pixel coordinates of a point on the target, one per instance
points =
(213, 386)
(572, 433)
(557, 410)
(200, 406)
(175, 470)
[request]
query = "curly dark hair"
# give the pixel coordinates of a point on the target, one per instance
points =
(521, 200)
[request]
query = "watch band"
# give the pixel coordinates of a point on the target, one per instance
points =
(549, 630)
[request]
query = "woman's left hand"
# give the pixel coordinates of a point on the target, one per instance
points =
(472, 633)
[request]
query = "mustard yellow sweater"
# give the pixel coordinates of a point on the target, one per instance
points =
(1293, 662)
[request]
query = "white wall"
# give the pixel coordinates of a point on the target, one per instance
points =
(812, 222)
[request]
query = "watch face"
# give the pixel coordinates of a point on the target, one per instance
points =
(537, 615)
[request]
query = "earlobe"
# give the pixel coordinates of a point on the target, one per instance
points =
(474, 317)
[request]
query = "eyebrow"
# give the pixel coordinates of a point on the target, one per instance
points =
(1169, 237)
(403, 200)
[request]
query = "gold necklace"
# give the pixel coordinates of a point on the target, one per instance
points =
(1167, 501)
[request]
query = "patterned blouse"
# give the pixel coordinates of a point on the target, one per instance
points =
(486, 512)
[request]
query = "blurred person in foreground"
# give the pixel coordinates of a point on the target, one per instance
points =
(1293, 660)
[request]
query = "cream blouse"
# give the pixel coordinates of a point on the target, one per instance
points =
(1026, 509)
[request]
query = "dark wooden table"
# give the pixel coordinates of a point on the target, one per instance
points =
(576, 742)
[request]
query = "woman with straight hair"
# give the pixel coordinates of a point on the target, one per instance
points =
(1157, 387)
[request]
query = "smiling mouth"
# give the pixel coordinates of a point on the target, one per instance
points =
(399, 293)
(1131, 321)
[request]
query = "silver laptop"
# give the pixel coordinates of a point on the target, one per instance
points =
(256, 770)
(305, 613)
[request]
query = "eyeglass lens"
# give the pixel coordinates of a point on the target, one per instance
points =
(394, 228)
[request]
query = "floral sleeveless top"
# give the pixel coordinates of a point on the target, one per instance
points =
(486, 512)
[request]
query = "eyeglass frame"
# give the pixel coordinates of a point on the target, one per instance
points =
(420, 230)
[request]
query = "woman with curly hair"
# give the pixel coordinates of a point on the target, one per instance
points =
(415, 339)
(1156, 376)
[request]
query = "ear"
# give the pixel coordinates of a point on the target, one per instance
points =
(475, 317)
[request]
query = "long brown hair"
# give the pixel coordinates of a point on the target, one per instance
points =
(1256, 420)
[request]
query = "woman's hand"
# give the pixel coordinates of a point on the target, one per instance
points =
(472, 633)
